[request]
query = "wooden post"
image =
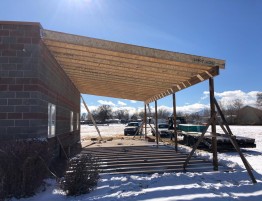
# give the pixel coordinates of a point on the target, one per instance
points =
(213, 124)
(145, 121)
(174, 116)
(156, 123)
(91, 116)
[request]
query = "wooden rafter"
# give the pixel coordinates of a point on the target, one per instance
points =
(119, 70)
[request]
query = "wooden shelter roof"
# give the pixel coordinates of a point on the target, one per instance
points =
(118, 70)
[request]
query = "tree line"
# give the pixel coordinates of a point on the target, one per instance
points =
(105, 112)
(230, 110)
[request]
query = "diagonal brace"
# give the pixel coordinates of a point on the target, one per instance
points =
(229, 133)
(210, 121)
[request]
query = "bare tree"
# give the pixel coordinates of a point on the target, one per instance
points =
(141, 114)
(163, 114)
(259, 99)
(222, 106)
(237, 104)
(233, 110)
(194, 117)
(121, 114)
(103, 112)
(180, 114)
(135, 117)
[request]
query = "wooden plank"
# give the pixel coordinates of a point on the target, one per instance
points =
(192, 81)
(80, 70)
(174, 121)
(125, 64)
(156, 124)
(149, 171)
(144, 159)
(92, 118)
(134, 156)
(57, 47)
(165, 164)
(130, 96)
(86, 76)
(233, 141)
(163, 168)
(85, 68)
(213, 124)
(126, 49)
(105, 61)
(171, 153)
(198, 142)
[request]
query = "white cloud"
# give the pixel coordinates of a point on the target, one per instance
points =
(227, 97)
(192, 108)
(103, 102)
(91, 108)
(163, 107)
(184, 109)
(205, 96)
(121, 103)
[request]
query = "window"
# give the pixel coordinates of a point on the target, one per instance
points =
(71, 121)
(51, 119)
(77, 121)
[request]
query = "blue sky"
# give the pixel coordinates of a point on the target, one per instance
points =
(224, 29)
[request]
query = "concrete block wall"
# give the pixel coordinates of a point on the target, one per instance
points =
(57, 88)
(19, 53)
(30, 78)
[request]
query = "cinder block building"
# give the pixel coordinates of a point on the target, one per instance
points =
(37, 99)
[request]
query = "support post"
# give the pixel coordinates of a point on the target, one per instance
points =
(156, 123)
(92, 118)
(174, 116)
(213, 124)
(145, 121)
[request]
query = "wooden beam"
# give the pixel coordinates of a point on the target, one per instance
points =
(69, 49)
(145, 120)
(192, 81)
(229, 133)
(109, 62)
(85, 75)
(213, 125)
(112, 64)
(75, 67)
(156, 124)
(91, 116)
(131, 50)
(210, 121)
(174, 116)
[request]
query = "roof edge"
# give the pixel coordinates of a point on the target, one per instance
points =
(21, 23)
(131, 49)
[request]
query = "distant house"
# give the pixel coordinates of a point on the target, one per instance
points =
(249, 116)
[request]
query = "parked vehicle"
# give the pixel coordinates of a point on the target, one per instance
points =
(132, 128)
(163, 130)
(179, 120)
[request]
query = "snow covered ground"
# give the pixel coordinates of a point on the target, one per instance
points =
(217, 186)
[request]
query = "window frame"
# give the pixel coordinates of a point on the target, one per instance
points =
(71, 121)
(51, 127)
(77, 121)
